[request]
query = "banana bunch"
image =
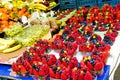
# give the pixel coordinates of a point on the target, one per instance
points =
(8, 45)
(38, 6)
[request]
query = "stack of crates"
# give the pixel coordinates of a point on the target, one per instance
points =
(86, 3)
(65, 4)
(110, 2)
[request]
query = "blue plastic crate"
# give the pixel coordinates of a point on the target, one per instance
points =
(110, 2)
(68, 6)
(86, 3)
(107, 0)
(65, 4)
(6, 69)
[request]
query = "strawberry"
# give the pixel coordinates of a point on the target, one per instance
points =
(45, 67)
(89, 65)
(51, 72)
(58, 75)
(78, 12)
(22, 68)
(28, 64)
(44, 61)
(65, 63)
(75, 73)
(88, 76)
(41, 72)
(63, 75)
(73, 62)
(83, 65)
(81, 47)
(99, 66)
(51, 59)
(15, 67)
(105, 56)
(36, 73)
(81, 75)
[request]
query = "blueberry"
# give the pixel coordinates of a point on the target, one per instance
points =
(63, 36)
(96, 53)
(93, 23)
(54, 68)
(27, 72)
(67, 62)
(56, 62)
(29, 57)
(26, 53)
(85, 23)
(23, 61)
(60, 71)
(36, 68)
(62, 51)
(70, 79)
(92, 61)
(79, 65)
(110, 42)
(47, 77)
(70, 39)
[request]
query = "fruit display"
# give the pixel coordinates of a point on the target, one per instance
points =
(77, 52)
(57, 68)
(77, 37)
(12, 11)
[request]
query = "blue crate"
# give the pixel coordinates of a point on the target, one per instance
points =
(68, 6)
(6, 69)
(107, 0)
(86, 3)
(65, 4)
(110, 2)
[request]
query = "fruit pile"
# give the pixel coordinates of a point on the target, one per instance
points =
(9, 17)
(78, 37)
(26, 36)
(8, 45)
(12, 11)
(102, 19)
(36, 60)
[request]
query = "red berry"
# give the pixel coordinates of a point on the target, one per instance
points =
(99, 66)
(51, 72)
(88, 76)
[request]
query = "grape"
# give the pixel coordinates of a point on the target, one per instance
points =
(13, 30)
(31, 34)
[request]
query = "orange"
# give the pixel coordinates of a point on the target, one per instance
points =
(23, 9)
(5, 23)
(20, 13)
(4, 16)
(11, 22)
(15, 9)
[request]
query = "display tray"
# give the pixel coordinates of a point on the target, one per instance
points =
(7, 58)
(6, 69)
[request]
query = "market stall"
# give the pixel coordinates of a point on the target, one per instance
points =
(46, 40)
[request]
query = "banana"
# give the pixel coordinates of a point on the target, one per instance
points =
(14, 48)
(8, 42)
(39, 6)
(3, 47)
